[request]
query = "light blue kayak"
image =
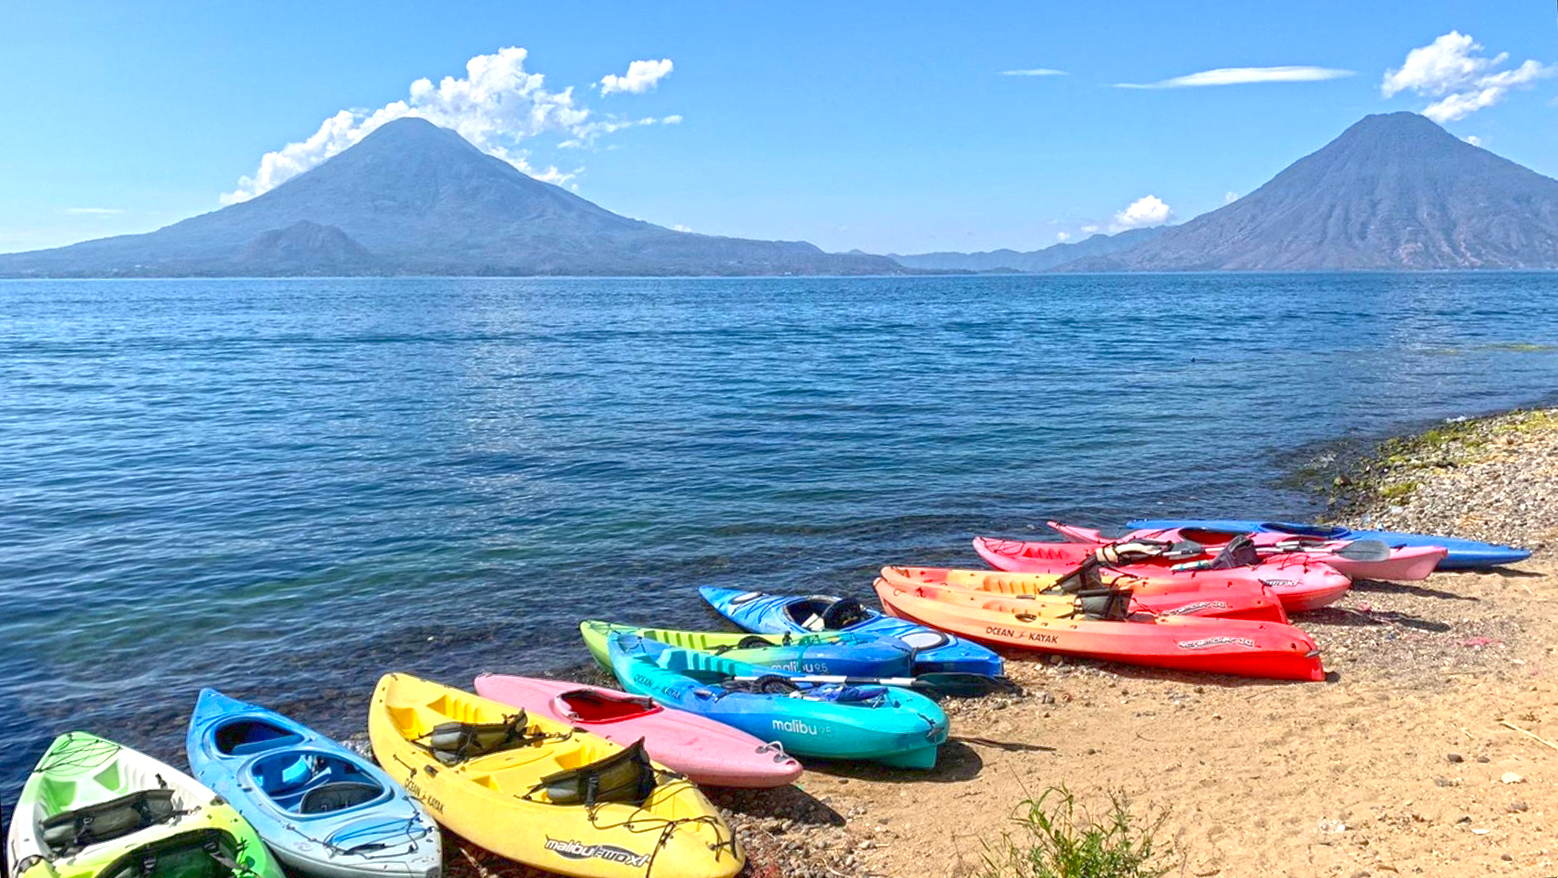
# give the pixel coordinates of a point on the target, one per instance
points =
(1463, 554)
(826, 720)
(319, 807)
(935, 651)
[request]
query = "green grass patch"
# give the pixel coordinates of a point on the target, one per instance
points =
(1053, 841)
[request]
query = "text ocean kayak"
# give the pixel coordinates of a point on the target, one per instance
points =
(709, 752)
(804, 614)
(1463, 554)
(1186, 643)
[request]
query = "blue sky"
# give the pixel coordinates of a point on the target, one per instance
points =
(891, 127)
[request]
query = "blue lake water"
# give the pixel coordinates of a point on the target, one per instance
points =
(284, 488)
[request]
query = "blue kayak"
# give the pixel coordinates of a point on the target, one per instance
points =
(319, 807)
(1464, 554)
(827, 720)
(935, 651)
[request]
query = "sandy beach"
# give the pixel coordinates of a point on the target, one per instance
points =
(1424, 753)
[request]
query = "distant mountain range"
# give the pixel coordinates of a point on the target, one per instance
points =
(413, 198)
(1393, 191)
(1032, 260)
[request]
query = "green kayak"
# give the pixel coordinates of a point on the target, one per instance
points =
(96, 809)
(824, 653)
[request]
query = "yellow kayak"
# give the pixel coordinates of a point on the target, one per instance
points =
(538, 792)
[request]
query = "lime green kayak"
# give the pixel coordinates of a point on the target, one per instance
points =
(829, 652)
(96, 809)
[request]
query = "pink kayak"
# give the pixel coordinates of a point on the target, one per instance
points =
(1404, 564)
(706, 751)
(1300, 583)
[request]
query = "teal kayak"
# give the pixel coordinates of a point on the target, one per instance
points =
(825, 720)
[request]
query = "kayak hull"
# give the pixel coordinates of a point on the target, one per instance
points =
(1229, 598)
(893, 726)
(1461, 554)
(937, 651)
(276, 772)
(80, 772)
(832, 652)
(706, 751)
(1184, 643)
(1300, 584)
(501, 798)
(1405, 564)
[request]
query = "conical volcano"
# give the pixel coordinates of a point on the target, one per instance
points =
(1393, 191)
(415, 198)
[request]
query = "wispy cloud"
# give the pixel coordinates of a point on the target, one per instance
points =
(1062, 237)
(1451, 69)
(496, 106)
(1144, 212)
(1243, 76)
(641, 77)
(1036, 71)
(94, 211)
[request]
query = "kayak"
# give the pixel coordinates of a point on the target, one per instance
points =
(1106, 630)
(806, 614)
(1399, 564)
(706, 751)
(1301, 584)
(92, 807)
(321, 808)
(1461, 554)
(1228, 598)
(542, 793)
(823, 653)
(825, 720)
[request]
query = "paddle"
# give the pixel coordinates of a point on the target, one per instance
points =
(1355, 550)
(961, 684)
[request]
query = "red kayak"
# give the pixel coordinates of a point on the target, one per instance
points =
(1105, 629)
(1299, 582)
(1398, 563)
(706, 751)
(1224, 598)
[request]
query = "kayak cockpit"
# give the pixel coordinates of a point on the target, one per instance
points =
(248, 736)
(205, 853)
(594, 706)
(314, 782)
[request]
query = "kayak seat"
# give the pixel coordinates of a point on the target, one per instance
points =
(453, 742)
(338, 796)
(1104, 604)
(93, 824)
(624, 776)
(587, 705)
(206, 853)
(843, 613)
(807, 612)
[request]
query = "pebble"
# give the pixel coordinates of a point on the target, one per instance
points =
(1511, 777)
(1454, 757)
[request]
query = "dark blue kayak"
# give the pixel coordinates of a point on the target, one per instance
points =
(935, 651)
(1464, 554)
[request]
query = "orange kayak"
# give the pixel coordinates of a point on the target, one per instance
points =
(1225, 598)
(1111, 633)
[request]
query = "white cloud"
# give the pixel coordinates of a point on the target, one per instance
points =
(1452, 70)
(1242, 76)
(495, 106)
(1062, 237)
(1473, 139)
(1090, 228)
(680, 228)
(641, 77)
(1230, 197)
(1036, 71)
(1144, 212)
(94, 211)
